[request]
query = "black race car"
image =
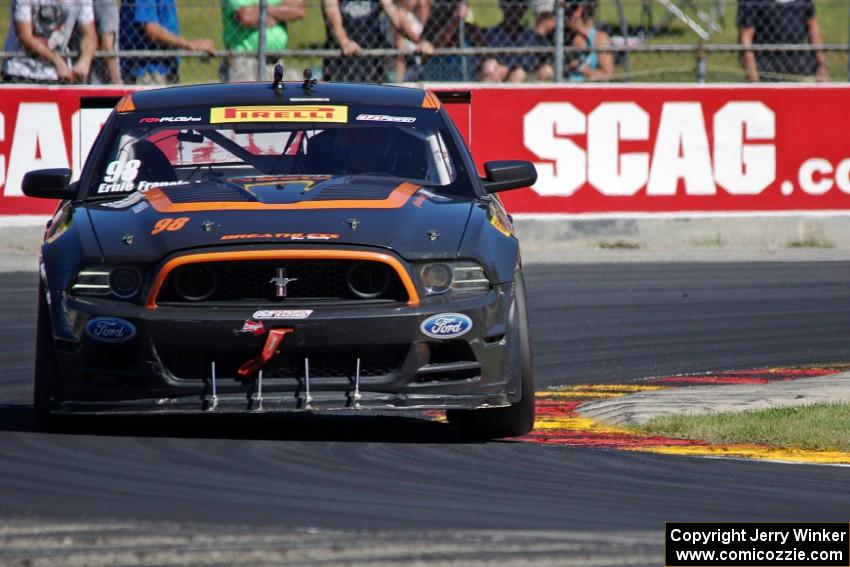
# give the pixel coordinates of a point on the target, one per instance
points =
(279, 247)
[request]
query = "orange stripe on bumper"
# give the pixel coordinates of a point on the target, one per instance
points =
(246, 255)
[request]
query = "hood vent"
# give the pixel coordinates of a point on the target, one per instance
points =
(357, 192)
(204, 193)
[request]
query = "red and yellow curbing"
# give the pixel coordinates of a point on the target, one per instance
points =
(558, 423)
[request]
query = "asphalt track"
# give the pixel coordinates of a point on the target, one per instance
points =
(590, 323)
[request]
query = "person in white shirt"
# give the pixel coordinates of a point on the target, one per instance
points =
(44, 29)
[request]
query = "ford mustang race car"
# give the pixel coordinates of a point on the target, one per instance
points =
(264, 247)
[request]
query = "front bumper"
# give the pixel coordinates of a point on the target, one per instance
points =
(167, 366)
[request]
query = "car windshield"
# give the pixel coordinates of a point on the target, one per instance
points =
(191, 150)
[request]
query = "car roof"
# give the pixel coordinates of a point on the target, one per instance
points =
(292, 92)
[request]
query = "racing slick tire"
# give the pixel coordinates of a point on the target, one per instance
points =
(44, 382)
(518, 418)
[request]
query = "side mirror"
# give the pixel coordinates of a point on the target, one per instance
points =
(48, 184)
(508, 174)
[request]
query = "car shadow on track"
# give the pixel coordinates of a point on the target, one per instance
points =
(281, 427)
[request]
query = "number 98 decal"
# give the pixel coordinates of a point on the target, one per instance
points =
(171, 225)
(123, 170)
(119, 176)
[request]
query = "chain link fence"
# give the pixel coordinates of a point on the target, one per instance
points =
(168, 41)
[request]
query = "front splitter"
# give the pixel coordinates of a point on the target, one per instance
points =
(283, 403)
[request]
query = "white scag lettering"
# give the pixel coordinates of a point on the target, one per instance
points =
(817, 176)
(611, 172)
(682, 154)
(741, 168)
(2, 157)
(38, 142)
(814, 176)
(842, 175)
(85, 126)
(543, 131)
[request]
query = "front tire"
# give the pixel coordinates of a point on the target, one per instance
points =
(44, 378)
(518, 418)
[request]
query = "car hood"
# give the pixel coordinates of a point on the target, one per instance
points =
(406, 218)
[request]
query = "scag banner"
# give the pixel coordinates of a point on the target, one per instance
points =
(670, 149)
(599, 150)
(43, 127)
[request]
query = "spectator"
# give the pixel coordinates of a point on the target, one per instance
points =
(592, 66)
(775, 22)
(106, 70)
(152, 25)
(44, 29)
(443, 29)
(509, 33)
(540, 67)
(240, 23)
(354, 25)
(409, 65)
(490, 70)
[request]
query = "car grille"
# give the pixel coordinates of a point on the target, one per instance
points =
(251, 281)
(324, 363)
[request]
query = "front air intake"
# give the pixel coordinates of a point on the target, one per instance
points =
(368, 280)
(195, 283)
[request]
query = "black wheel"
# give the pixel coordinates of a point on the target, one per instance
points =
(518, 418)
(44, 379)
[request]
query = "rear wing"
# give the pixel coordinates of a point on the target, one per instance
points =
(99, 101)
(454, 97)
(458, 105)
(86, 125)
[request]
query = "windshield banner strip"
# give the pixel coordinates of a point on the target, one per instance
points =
(304, 113)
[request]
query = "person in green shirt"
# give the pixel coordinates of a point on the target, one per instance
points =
(240, 21)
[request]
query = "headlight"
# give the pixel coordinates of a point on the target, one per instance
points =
(122, 282)
(438, 278)
(92, 281)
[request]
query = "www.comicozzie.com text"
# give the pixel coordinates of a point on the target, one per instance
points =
(726, 536)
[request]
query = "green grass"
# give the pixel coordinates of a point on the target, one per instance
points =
(815, 427)
(202, 18)
(833, 17)
(810, 242)
(617, 245)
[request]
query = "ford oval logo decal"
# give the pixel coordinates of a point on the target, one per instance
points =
(446, 325)
(110, 329)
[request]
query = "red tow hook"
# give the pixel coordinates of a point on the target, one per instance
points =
(272, 343)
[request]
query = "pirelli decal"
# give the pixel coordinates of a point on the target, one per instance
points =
(303, 113)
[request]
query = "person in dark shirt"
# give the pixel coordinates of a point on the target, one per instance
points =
(510, 33)
(540, 67)
(354, 25)
(443, 29)
(776, 22)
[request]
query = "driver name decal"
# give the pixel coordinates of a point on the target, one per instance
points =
(119, 176)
